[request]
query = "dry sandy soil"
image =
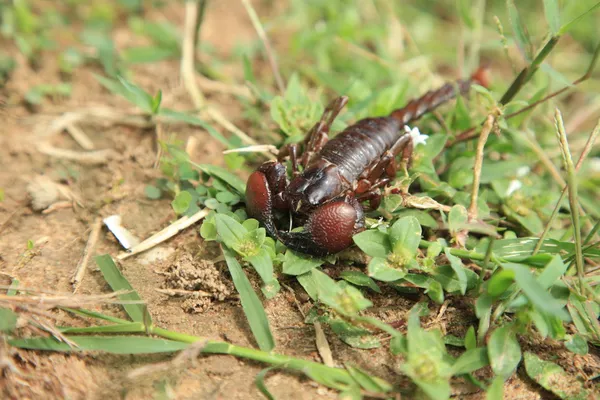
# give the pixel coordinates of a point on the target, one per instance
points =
(117, 187)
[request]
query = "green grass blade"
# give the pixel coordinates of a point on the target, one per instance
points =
(116, 280)
(109, 344)
(253, 308)
(14, 286)
(259, 381)
(226, 176)
(130, 327)
(87, 313)
(567, 27)
(192, 120)
(552, 15)
(517, 26)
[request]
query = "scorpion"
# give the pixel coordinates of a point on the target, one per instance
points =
(340, 174)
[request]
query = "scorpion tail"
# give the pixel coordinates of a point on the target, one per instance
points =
(416, 108)
(481, 76)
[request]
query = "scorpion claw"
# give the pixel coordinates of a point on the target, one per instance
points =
(328, 230)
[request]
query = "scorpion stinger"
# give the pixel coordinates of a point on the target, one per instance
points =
(338, 174)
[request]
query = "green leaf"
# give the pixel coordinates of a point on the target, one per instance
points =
(270, 289)
(8, 320)
(253, 308)
(553, 378)
(298, 263)
(231, 232)
(108, 344)
(148, 54)
(373, 242)
(500, 282)
(496, 390)
(567, 27)
(192, 120)
(552, 15)
(445, 275)
(405, 236)
(354, 336)
(552, 272)
(156, 101)
(470, 339)
(309, 284)
(368, 382)
(115, 328)
(227, 197)
(152, 192)
(226, 176)
(470, 361)
(459, 270)
(457, 218)
(464, 10)
(577, 344)
(517, 26)
(129, 91)
(504, 351)
(117, 282)
(259, 381)
(181, 202)
(360, 279)
(380, 269)
(461, 119)
(535, 292)
(263, 264)
(208, 230)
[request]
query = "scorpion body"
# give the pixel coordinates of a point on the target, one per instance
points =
(338, 175)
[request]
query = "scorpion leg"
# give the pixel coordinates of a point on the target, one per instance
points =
(382, 172)
(318, 135)
(290, 150)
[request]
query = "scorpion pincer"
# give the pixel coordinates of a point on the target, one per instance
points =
(338, 175)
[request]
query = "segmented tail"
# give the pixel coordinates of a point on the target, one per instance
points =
(415, 109)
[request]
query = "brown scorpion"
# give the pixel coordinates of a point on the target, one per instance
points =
(339, 174)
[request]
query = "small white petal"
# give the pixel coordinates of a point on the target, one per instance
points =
(513, 186)
(522, 171)
(416, 135)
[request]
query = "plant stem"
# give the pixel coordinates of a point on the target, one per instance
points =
(333, 377)
(572, 184)
(586, 150)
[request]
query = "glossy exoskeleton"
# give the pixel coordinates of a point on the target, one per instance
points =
(338, 175)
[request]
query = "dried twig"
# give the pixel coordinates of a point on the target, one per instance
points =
(165, 234)
(265, 40)
(259, 148)
(90, 157)
(87, 253)
(485, 133)
(192, 18)
(322, 345)
(79, 136)
(46, 300)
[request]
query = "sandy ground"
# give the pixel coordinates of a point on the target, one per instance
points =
(116, 187)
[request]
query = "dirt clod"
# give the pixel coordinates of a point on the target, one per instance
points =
(198, 278)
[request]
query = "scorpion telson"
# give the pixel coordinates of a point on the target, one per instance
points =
(338, 175)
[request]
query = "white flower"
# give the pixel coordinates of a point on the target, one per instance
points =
(416, 136)
(513, 186)
(522, 171)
